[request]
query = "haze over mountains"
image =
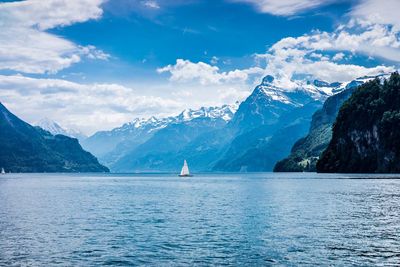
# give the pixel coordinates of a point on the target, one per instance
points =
(54, 128)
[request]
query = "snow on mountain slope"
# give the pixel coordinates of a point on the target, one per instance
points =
(54, 128)
(224, 112)
(140, 129)
(274, 97)
(272, 118)
(281, 91)
(149, 125)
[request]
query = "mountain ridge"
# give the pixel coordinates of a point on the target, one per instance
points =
(31, 149)
(265, 125)
(140, 130)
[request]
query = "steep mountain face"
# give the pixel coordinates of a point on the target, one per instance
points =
(115, 147)
(259, 148)
(270, 120)
(366, 136)
(307, 150)
(269, 101)
(25, 148)
(54, 128)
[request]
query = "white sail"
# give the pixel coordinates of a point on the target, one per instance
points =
(2, 171)
(185, 169)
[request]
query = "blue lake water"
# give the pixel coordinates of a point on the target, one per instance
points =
(223, 219)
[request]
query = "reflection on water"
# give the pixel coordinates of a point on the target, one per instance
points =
(232, 219)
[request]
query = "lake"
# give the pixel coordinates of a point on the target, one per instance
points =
(258, 219)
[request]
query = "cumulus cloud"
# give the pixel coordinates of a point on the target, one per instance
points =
(285, 7)
(26, 47)
(205, 74)
(151, 4)
(314, 55)
(85, 106)
(50, 13)
(91, 107)
(382, 12)
(319, 54)
(339, 56)
(311, 54)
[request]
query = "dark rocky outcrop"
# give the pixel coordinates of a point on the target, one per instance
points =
(366, 134)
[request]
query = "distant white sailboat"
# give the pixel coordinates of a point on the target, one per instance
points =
(2, 171)
(185, 170)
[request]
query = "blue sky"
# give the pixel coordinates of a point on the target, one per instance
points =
(141, 39)
(95, 64)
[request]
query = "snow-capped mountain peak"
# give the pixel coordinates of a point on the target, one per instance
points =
(274, 97)
(143, 128)
(287, 91)
(54, 128)
(50, 126)
(149, 124)
(224, 112)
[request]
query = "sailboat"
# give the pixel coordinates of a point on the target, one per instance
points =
(185, 170)
(2, 171)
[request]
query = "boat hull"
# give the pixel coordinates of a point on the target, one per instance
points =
(185, 175)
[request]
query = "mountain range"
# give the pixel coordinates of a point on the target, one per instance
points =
(145, 137)
(265, 128)
(250, 137)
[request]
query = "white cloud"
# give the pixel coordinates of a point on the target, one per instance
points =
(378, 11)
(318, 55)
(314, 55)
(373, 40)
(214, 60)
(26, 47)
(285, 7)
(151, 4)
(372, 31)
(187, 71)
(99, 106)
(92, 52)
(50, 13)
(311, 54)
(88, 107)
(338, 56)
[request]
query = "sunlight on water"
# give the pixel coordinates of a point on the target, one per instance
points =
(232, 219)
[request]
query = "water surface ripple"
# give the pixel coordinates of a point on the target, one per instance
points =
(260, 219)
